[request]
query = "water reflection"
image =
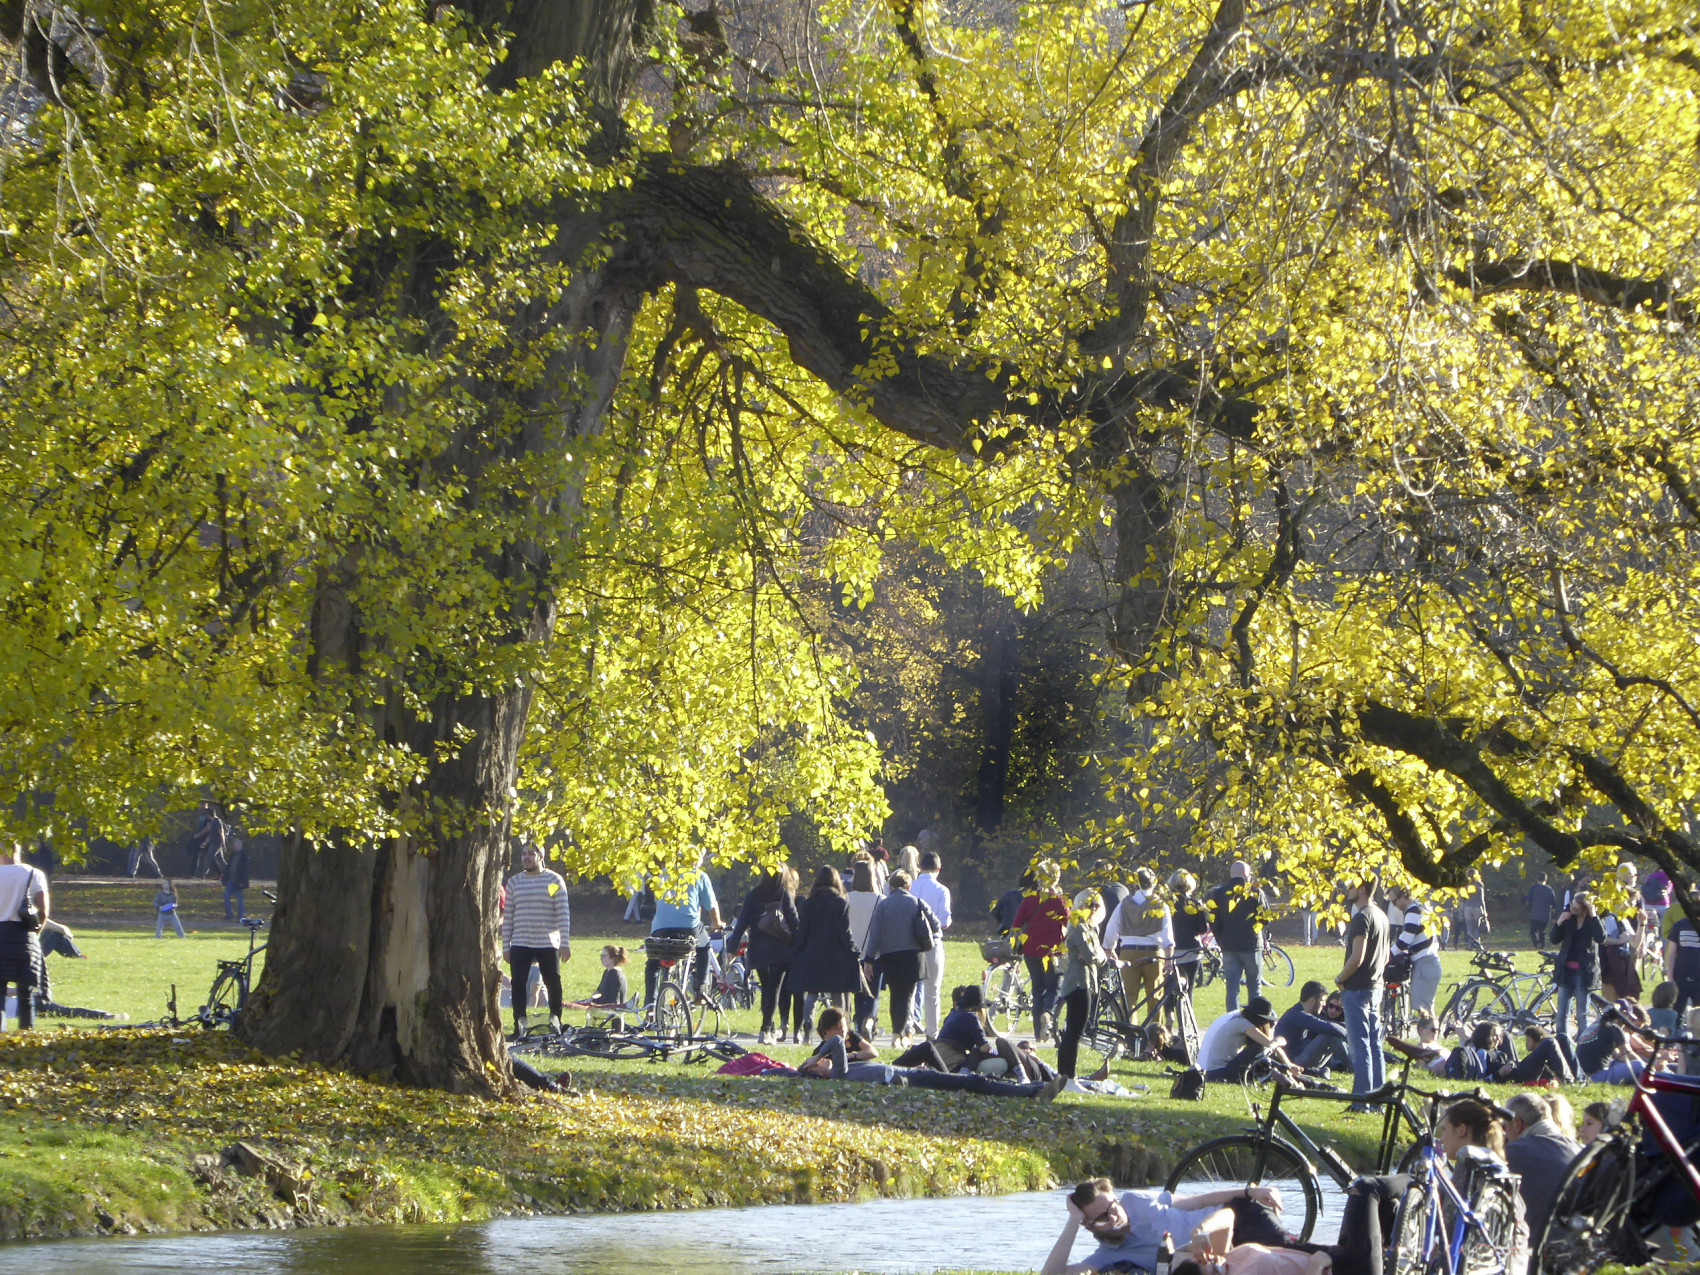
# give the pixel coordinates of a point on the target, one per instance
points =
(887, 1237)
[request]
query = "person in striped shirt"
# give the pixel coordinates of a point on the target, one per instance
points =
(536, 928)
(1416, 938)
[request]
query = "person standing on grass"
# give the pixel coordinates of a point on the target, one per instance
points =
(1233, 907)
(1415, 937)
(895, 938)
(1579, 938)
(936, 896)
(769, 919)
(165, 910)
(1079, 986)
(861, 901)
(1041, 920)
(537, 929)
(825, 964)
(1141, 935)
(21, 886)
(1542, 902)
(1360, 989)
(235, 879)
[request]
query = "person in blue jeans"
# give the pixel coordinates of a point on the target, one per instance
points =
(1579, 937)
(1360, 989)
(1234, 907)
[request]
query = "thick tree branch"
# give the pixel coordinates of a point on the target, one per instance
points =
(1597, 287)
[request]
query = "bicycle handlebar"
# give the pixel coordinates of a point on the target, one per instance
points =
(1614, 1015)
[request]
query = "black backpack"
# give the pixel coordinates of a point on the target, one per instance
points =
(1188, 1086)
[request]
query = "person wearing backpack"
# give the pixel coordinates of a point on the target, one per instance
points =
(769, 919)
(23, 911)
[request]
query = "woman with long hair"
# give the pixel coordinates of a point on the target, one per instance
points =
(1578, 936)
(1040, 921)
(1079, 986)
(769, 918)
(825, 963)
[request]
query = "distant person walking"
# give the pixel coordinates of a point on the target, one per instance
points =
(235, 879)
(141, 856)
(769, 919)
(931, 891)
(206, 843)
(902, 925)
(1474, 914)
(537, 927)
(1041, 920)
(165, 909)
(23, 911)
(1656, 898)
(1542, 901)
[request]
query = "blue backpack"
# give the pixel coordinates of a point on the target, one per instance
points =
(1467, 1063)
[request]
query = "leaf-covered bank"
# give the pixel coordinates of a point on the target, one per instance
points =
(129, 1131)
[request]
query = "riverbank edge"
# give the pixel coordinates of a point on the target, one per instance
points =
(149, 1133)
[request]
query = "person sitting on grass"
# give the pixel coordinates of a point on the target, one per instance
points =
(1309, 1039)
(964, 1042)
(1662, 1016)
(843, 1055)
(611, 993)
(1130, 1227)
(1243, 1039)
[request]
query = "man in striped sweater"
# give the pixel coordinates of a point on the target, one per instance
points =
(1415, 937)
(536, 927)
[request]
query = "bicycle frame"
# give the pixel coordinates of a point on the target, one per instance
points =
(1651, 1082)
(1394, 1107)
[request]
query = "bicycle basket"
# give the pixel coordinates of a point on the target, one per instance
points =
(669, 949)
(998, 949)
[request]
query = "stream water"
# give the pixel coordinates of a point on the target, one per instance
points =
(888, 1237)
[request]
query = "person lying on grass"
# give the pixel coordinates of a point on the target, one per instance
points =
(843, 1055)
(1130, 1227)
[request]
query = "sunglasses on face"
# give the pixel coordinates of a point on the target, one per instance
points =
(1334, 1007)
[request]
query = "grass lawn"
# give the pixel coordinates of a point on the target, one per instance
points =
(119, 1106)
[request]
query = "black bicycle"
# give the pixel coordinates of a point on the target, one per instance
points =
(1277, 1152)
(234, 979)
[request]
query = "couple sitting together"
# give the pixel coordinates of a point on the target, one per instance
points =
(964, 1056)
(1239, 1232)
(1309, 1038)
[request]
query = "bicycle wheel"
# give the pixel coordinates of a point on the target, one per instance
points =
(1248, 1160)
(229, 993)
(711, 1019)
(1405, 1244)
(1277, 967)
(1476, 1000)
(1487, 1249)
(671, 1014)
(1590, 1225)
(1187, 1025)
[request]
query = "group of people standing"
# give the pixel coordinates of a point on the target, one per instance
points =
(843, 945)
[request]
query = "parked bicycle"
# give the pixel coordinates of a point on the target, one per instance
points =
(1632, 1181)
(1277, 1152)
(1006, 987)
(232, 980)
(1277, 966)
(1498, 991)
(1483, 1217)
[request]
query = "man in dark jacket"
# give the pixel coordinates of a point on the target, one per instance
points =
(1310, 1039)
(235, 878)
(1233, 917)
(1539, 1154)
(1542, 901)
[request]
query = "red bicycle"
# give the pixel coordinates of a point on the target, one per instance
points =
(1631, 1181)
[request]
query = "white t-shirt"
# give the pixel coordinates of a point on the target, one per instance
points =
(15, 880)
(1222, 1040)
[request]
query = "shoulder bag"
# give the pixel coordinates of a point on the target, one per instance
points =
(922, 927)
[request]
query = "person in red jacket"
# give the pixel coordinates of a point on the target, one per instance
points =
(1041, 921)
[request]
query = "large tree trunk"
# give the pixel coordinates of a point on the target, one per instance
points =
(1000, 667)
(383, 956)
